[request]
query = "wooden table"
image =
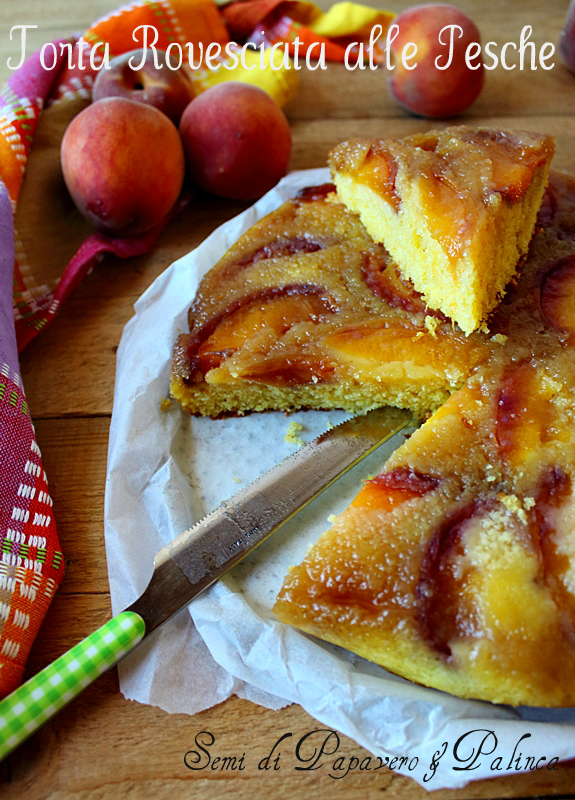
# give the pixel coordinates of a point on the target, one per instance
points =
(102, 745)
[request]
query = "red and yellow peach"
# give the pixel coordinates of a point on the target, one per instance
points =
(123, 164)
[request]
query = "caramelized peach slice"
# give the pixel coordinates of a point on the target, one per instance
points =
(482, 577)
(447, 215)
(369, 347)
(440, 587)
(511, 176)
(384, 280)
(525, 414)
(558, 295)
(289, 369)
(281, 248)
(511, 179)
(276, 248)
(378, 172)
(359, 568)
(276, 309)
(314, 193)
(555, 489)
(390, 489)
(278, 314)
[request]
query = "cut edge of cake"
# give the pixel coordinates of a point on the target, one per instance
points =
(227, 400)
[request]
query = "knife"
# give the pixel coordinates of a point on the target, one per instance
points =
(193, 561)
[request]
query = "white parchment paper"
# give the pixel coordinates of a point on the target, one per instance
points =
(166, 470)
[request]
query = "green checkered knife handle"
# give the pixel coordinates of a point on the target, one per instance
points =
(29, 706)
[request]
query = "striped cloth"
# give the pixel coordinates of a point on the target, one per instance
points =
(31, 561)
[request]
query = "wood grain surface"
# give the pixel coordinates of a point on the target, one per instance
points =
(103, 746)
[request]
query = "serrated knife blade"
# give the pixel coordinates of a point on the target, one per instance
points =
(196, 559)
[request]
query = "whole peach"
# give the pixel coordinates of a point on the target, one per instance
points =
(123, 164)
(427, 90)
(168, 90)
(237, 141)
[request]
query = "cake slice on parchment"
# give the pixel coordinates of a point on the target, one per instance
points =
(455, 208)
(306, 311)
(455, 567)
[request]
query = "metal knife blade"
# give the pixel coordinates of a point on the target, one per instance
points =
(199, 556)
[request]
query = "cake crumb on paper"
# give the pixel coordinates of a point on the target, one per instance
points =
(166, 403)
(292, 434)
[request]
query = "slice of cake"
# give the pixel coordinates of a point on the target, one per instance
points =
(306, 311)
(455, 567)
(455, 208)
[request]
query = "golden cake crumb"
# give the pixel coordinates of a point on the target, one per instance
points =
(291, 436)
(432, 324)
(513, 505)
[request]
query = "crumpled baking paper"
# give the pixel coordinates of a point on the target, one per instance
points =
(166, 470)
